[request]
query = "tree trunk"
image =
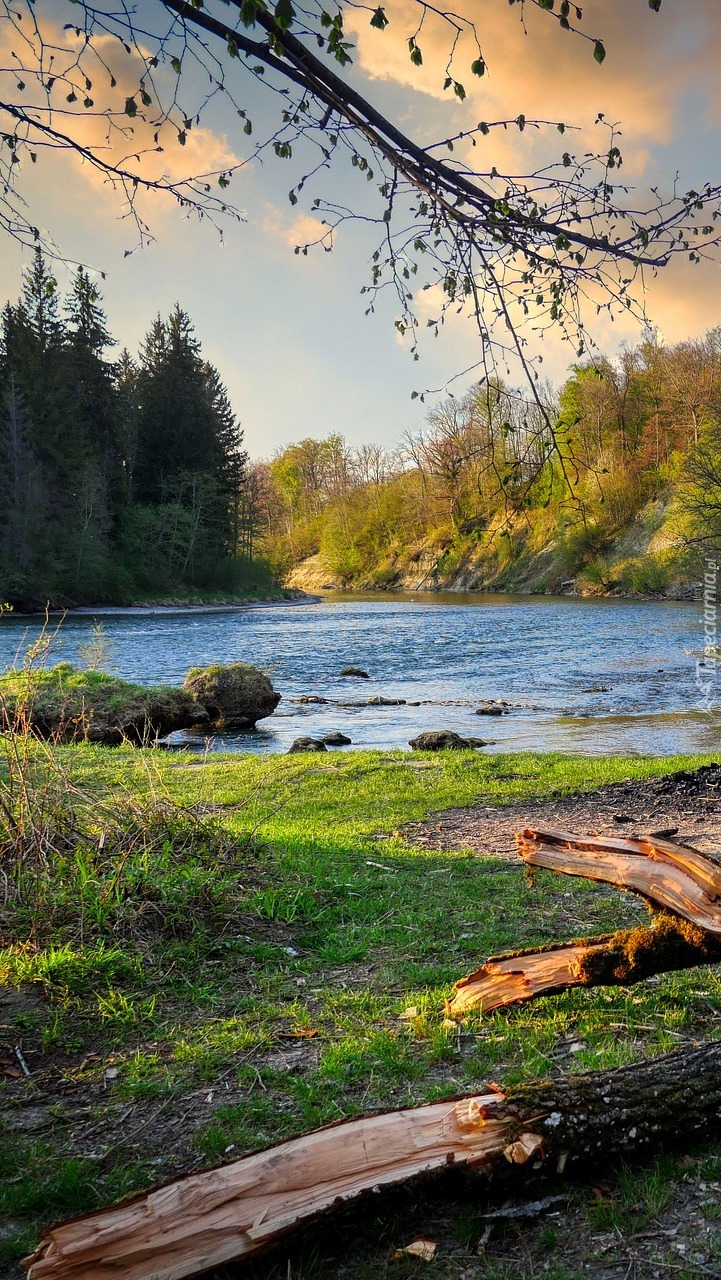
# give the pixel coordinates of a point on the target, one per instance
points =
(207, 1219)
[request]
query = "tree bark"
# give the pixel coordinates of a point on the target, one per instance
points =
(223, 1214)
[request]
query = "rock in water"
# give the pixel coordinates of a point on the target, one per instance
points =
(336, 739)
(491, 708)
(442, 740)
(234, 696)
(354, 671)
(68, 705)
(307, 744)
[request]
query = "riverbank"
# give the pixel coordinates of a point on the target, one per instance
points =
(646, 559)
(210, 972)
(192, 605)
(178, 604)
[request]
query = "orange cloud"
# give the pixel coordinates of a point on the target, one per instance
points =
(90, 90)
(294, 231)
(652, 59)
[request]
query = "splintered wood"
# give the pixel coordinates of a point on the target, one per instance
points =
(680, 881)
(671, 876)
(209, 1218)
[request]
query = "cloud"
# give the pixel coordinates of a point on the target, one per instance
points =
(659, 81)
(294, 231)
(91, 87)
(652, 59)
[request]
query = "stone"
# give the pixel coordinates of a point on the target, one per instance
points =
(441, 740)
(379, 701)
(309, 697)
(336, 740)
(307, 744)
(491, 708)
(354, 671)
(235, 696)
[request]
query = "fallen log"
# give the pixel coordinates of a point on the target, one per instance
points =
(610, 960)
(231, 1212)
(682, 881)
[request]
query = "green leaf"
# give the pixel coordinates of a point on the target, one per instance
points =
(599, 52)
(284, 14)
(478, 67)
(379, 20)
(459, 90)
(655, 5)
(175, 64)
(416, 56)
(131, 107)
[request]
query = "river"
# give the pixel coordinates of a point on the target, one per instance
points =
(601, 676)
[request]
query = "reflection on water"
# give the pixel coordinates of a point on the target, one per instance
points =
(596, 676)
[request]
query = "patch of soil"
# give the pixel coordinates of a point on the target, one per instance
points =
(687, 804)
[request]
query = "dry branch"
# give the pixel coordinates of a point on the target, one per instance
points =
(674, 877)
(206, 1219)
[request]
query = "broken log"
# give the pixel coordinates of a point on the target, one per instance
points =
(610, 960)
(682, 881)
(671, 876)
(223, 1214)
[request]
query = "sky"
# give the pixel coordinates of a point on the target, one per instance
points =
(288, 332)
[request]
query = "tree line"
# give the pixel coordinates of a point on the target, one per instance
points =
(632, 439)
(118, 477)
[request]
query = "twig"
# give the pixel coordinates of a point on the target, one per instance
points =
(23, 1064)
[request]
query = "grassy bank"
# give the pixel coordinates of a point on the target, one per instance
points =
(217, 955)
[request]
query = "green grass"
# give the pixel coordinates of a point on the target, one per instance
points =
(260, 931)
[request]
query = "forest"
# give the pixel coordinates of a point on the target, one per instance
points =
(120, 477)
(124, 478)
(612, 484)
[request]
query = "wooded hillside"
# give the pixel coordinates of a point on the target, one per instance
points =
(621, 494)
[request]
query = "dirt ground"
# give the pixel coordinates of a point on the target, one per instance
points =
(683, 806)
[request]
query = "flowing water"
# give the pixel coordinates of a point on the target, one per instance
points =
(595, 676)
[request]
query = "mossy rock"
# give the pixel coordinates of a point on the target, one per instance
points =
(235, 696)
(306, 744)
(69, 705)
(442, 740)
